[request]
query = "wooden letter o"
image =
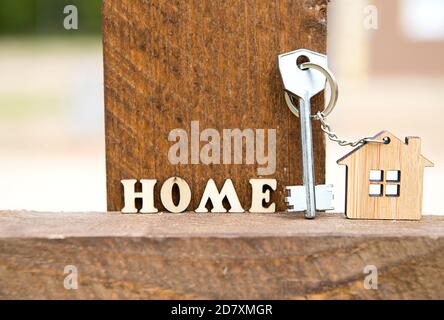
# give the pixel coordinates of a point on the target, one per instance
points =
(166, 195)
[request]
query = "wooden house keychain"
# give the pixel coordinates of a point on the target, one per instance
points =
(384, 175)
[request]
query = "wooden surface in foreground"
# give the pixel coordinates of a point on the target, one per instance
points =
(218, 256)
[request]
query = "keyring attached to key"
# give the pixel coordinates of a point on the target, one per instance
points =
(333, 87)
(322, 115)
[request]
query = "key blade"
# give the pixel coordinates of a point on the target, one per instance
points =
(324, 197)
(296, 200)
(298, 82)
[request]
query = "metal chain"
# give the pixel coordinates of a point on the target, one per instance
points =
(325, 127)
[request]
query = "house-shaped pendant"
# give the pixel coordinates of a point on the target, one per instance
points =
(385, 181)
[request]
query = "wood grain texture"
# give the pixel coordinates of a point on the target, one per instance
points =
(218, 256)
(404, 157)
(170, 62)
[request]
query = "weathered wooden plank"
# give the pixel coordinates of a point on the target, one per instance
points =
(168, 63)
(218, 256)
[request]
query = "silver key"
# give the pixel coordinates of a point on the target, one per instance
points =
(304, 84)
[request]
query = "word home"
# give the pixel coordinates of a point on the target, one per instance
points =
(260, 200)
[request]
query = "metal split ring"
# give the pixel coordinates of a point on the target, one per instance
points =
(331, 82)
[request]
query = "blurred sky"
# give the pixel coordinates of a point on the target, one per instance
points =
(52, 154)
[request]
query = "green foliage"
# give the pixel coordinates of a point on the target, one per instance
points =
(43, 17)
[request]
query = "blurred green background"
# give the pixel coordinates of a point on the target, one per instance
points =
(45, 17)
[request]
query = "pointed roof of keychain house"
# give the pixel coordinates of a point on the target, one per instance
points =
(413, 143)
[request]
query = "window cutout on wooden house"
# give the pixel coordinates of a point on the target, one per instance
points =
(375, 190)
(392, 190)
(393, 176)
(376, 175)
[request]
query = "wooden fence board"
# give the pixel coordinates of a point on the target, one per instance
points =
(170, 62)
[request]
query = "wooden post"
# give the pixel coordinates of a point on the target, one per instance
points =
(171, 62)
